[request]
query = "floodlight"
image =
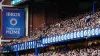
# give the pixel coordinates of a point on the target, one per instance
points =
(96, 31)
(68, 36)
(92, 31)
(56, 38)
(75, 34)
(89, 32)
(72, 35)
(82, 33)
(29, 45)
(59, 38)
(46, 40)
(51, 39)
(85, 33)
(78, 34)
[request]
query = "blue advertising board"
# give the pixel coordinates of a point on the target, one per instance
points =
(13, 23)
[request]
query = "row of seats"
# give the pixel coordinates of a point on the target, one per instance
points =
(93, 50)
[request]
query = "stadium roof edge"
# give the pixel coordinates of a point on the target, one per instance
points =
(20, 2)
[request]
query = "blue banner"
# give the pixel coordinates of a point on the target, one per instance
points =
(13, 23)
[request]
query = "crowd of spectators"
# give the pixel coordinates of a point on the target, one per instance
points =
(79, 22)
(92, 50)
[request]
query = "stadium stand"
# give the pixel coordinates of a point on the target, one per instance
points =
(90, 50)
(80, 22)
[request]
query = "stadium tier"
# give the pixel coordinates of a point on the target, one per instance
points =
(79, 26)
(63, 36)
(51, 29)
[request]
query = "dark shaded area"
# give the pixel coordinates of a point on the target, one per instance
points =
(64, 8)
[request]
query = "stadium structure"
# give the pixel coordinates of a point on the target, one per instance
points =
(51, 28)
